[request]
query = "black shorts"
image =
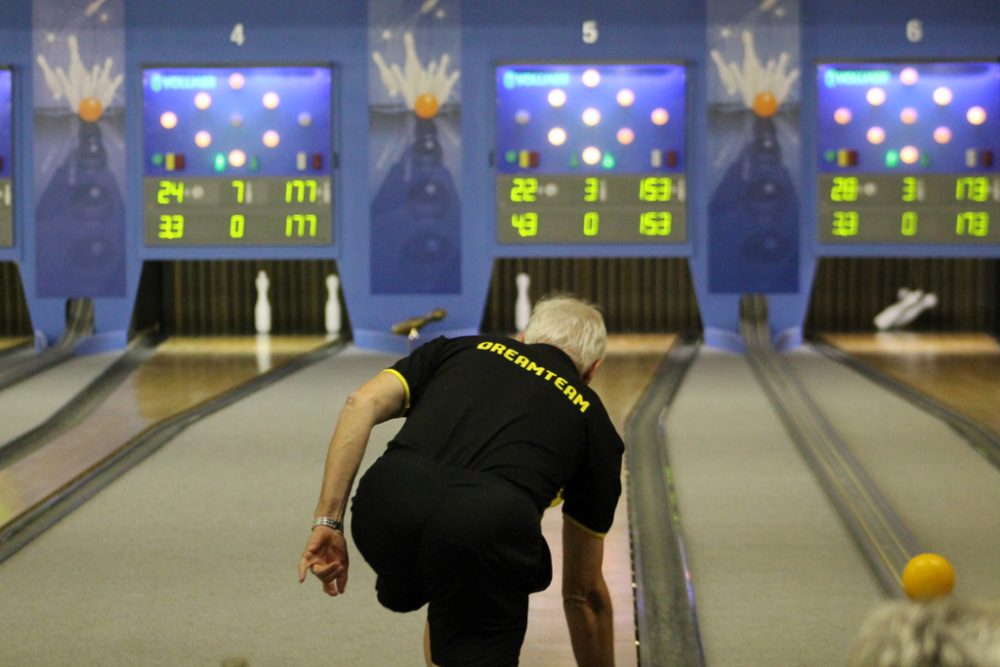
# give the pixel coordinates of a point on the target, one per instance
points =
(467, 543)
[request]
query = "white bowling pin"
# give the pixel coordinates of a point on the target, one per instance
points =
(887, 318)
(262, 309)
(522, 306)
(928, 301)
(332, 311)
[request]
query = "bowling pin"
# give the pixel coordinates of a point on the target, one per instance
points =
(332, 311)
(887, 318)
(522, 306)
(262, 310)
(927, 302)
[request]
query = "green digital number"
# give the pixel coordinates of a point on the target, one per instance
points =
(300, 191)
(972, 223)
(170, 189)
(524, 190)
(909, 189)
(655, 188)
(972, 188)
(845, 223)
(526, 224)
(241, 190)
(908, 226)
(845, 188)
(591, 221)
(591, 189)
(655, 223)
(171, 227)
(237, 225)
(300, 225)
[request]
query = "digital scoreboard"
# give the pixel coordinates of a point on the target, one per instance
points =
(6, 149)
(591, 153)
(909, 153)
(237, 156)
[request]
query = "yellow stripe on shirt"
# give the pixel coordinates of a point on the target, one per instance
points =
(592, 533)
(406, 386)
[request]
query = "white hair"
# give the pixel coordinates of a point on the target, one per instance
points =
(573, 325)
(942, 633)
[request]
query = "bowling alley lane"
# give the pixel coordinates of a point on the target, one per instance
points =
(777, 578)
(959, 370)
(183, 373)
(945, 492)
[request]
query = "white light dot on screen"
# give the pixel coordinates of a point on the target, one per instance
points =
(203, 100)
(557, 136)
(271, 100)
(875, 96)
(942, 96)
(909, 154)
(237, 158)
(236, 120)
(271, 139)
(976, 115)
(842, 116)
(522, 117)
(591, 78)
(908, 115)
(591, 117)
(942, 134)
(237, 81)
(625, 97)
(876, 135)
(659, 116)
(203, 139)
(625, 136)
(557, 97)
(168, 120)
(305, 119)
(591, 155)
(909, 76)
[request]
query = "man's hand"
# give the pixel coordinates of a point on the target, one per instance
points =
(326, 557)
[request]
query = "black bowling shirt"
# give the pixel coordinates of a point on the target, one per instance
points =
(517, 411)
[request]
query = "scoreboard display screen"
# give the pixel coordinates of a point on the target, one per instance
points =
(909, 153)
(591, 153)
(237, 156)
(6, 148)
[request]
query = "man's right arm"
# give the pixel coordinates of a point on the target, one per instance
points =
(586, 600)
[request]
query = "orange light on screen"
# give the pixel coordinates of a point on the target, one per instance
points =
(168, 120)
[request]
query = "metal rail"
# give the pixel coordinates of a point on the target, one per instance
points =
(666, 616)
(876, 527)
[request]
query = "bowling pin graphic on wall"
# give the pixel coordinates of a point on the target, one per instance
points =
(79, 140)
(753, 238)
(415, 126)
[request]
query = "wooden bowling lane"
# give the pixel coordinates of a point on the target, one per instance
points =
(10, 342)
(960, 371)
(184, 373)
(631, 363)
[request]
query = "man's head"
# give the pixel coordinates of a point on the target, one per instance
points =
(574, 326)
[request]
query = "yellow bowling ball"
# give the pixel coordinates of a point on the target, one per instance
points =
(928, 576)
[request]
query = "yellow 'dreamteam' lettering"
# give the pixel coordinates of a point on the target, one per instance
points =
(520, 360)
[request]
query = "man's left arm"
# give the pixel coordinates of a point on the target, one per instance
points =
(381, 398)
